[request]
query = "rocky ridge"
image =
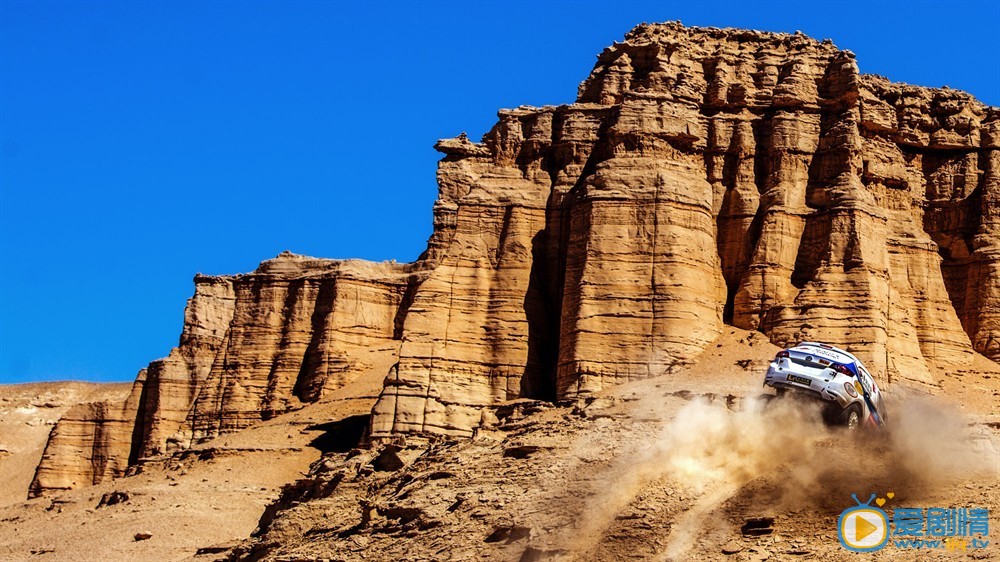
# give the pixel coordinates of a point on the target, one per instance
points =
(704, 177)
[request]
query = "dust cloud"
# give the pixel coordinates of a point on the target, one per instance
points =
(709, 448)
(935, 443)
(708, 451)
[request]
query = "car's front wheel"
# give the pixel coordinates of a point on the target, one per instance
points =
(851, 418)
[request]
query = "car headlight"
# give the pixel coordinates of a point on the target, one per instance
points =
(850, 389)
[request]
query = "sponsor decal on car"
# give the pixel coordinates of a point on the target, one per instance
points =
(838, 357)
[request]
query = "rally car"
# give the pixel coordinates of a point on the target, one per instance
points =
(833, 376)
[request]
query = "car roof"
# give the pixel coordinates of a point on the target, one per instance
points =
(828, 352)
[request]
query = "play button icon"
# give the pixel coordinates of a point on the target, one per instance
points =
(863, 529)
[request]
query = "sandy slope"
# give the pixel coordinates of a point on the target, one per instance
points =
(27, 414)
(212, 494)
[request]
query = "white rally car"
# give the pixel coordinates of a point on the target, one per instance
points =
(834, 376)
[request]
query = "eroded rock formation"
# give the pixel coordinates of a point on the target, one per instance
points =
(301, 326)
(91, 443)
(703, 177)
(253, 346)
(97, 441)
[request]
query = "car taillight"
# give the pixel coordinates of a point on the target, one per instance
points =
(850, 389)
(843, 370)
(781, 355)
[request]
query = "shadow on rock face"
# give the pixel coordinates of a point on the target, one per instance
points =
(340, 436)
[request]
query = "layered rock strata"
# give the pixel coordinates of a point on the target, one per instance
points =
(703, 177)
(89, 443)
(300, 327)
(94, 442)
(253, 346)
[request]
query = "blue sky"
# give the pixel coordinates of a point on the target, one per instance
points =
(143, 142)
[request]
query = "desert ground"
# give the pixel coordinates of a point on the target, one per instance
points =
(689, 465)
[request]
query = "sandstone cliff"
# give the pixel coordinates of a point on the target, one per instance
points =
(97, 441)
(703, 177)
(28, 412)
(253, 346)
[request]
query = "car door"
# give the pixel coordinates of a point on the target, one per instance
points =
(872, 394)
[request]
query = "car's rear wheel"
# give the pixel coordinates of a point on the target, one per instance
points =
(851, 418)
